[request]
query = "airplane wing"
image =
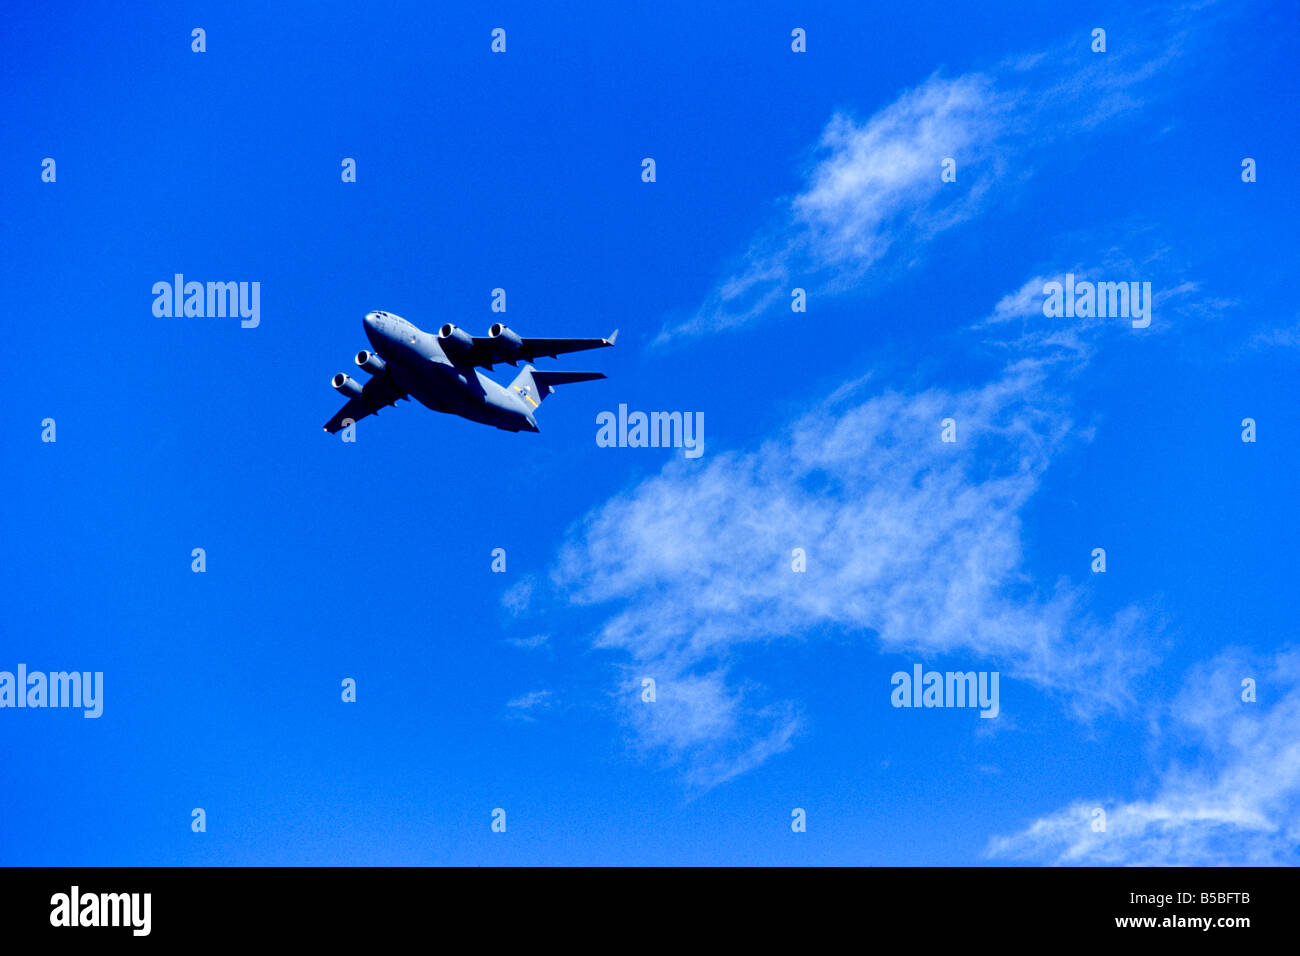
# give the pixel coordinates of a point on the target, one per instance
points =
(377, 393)
(489, 350)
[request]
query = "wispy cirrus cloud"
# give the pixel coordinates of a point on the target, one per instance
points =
(527, 705)
(912, 543)
(705, 721)
(1287, 337)
(876, 186)
(877, 181)
(531, 642)
(1237, 802)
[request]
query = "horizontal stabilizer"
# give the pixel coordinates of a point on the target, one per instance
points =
(533, 386)
(547, 380)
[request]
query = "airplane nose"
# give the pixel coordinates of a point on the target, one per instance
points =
(369, 320)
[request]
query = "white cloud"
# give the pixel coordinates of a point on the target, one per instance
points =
(1238, 803)
(1282, 337)
(1025, 303)
(700, 721)
(891, 165)
(1017, 325)
(877, 187)
(912, 543)
(878, 180)
(518, 596)
(530, 643)
(525, 705)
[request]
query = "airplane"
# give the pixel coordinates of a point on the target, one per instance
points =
(442, 372)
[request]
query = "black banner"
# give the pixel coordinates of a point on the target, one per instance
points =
(976, 905)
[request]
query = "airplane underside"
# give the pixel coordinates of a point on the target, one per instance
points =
(442, 373)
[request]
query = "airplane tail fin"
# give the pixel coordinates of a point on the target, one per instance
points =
(534, 386)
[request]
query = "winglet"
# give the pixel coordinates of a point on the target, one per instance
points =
(612, 336)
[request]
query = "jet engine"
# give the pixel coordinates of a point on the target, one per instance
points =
(455, 341)
(506, 339)
(346, 386)
(369, 362)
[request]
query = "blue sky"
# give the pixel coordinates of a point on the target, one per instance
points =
(775, 170)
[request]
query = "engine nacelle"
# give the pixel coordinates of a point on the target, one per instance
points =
(346, 386)
(505, 338)
(369, 362)
(455, 341)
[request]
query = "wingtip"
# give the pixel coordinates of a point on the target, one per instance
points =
(612, 337)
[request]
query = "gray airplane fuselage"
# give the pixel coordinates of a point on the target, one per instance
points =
(419, 365)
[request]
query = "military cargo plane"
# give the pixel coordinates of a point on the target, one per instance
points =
(442, 372)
